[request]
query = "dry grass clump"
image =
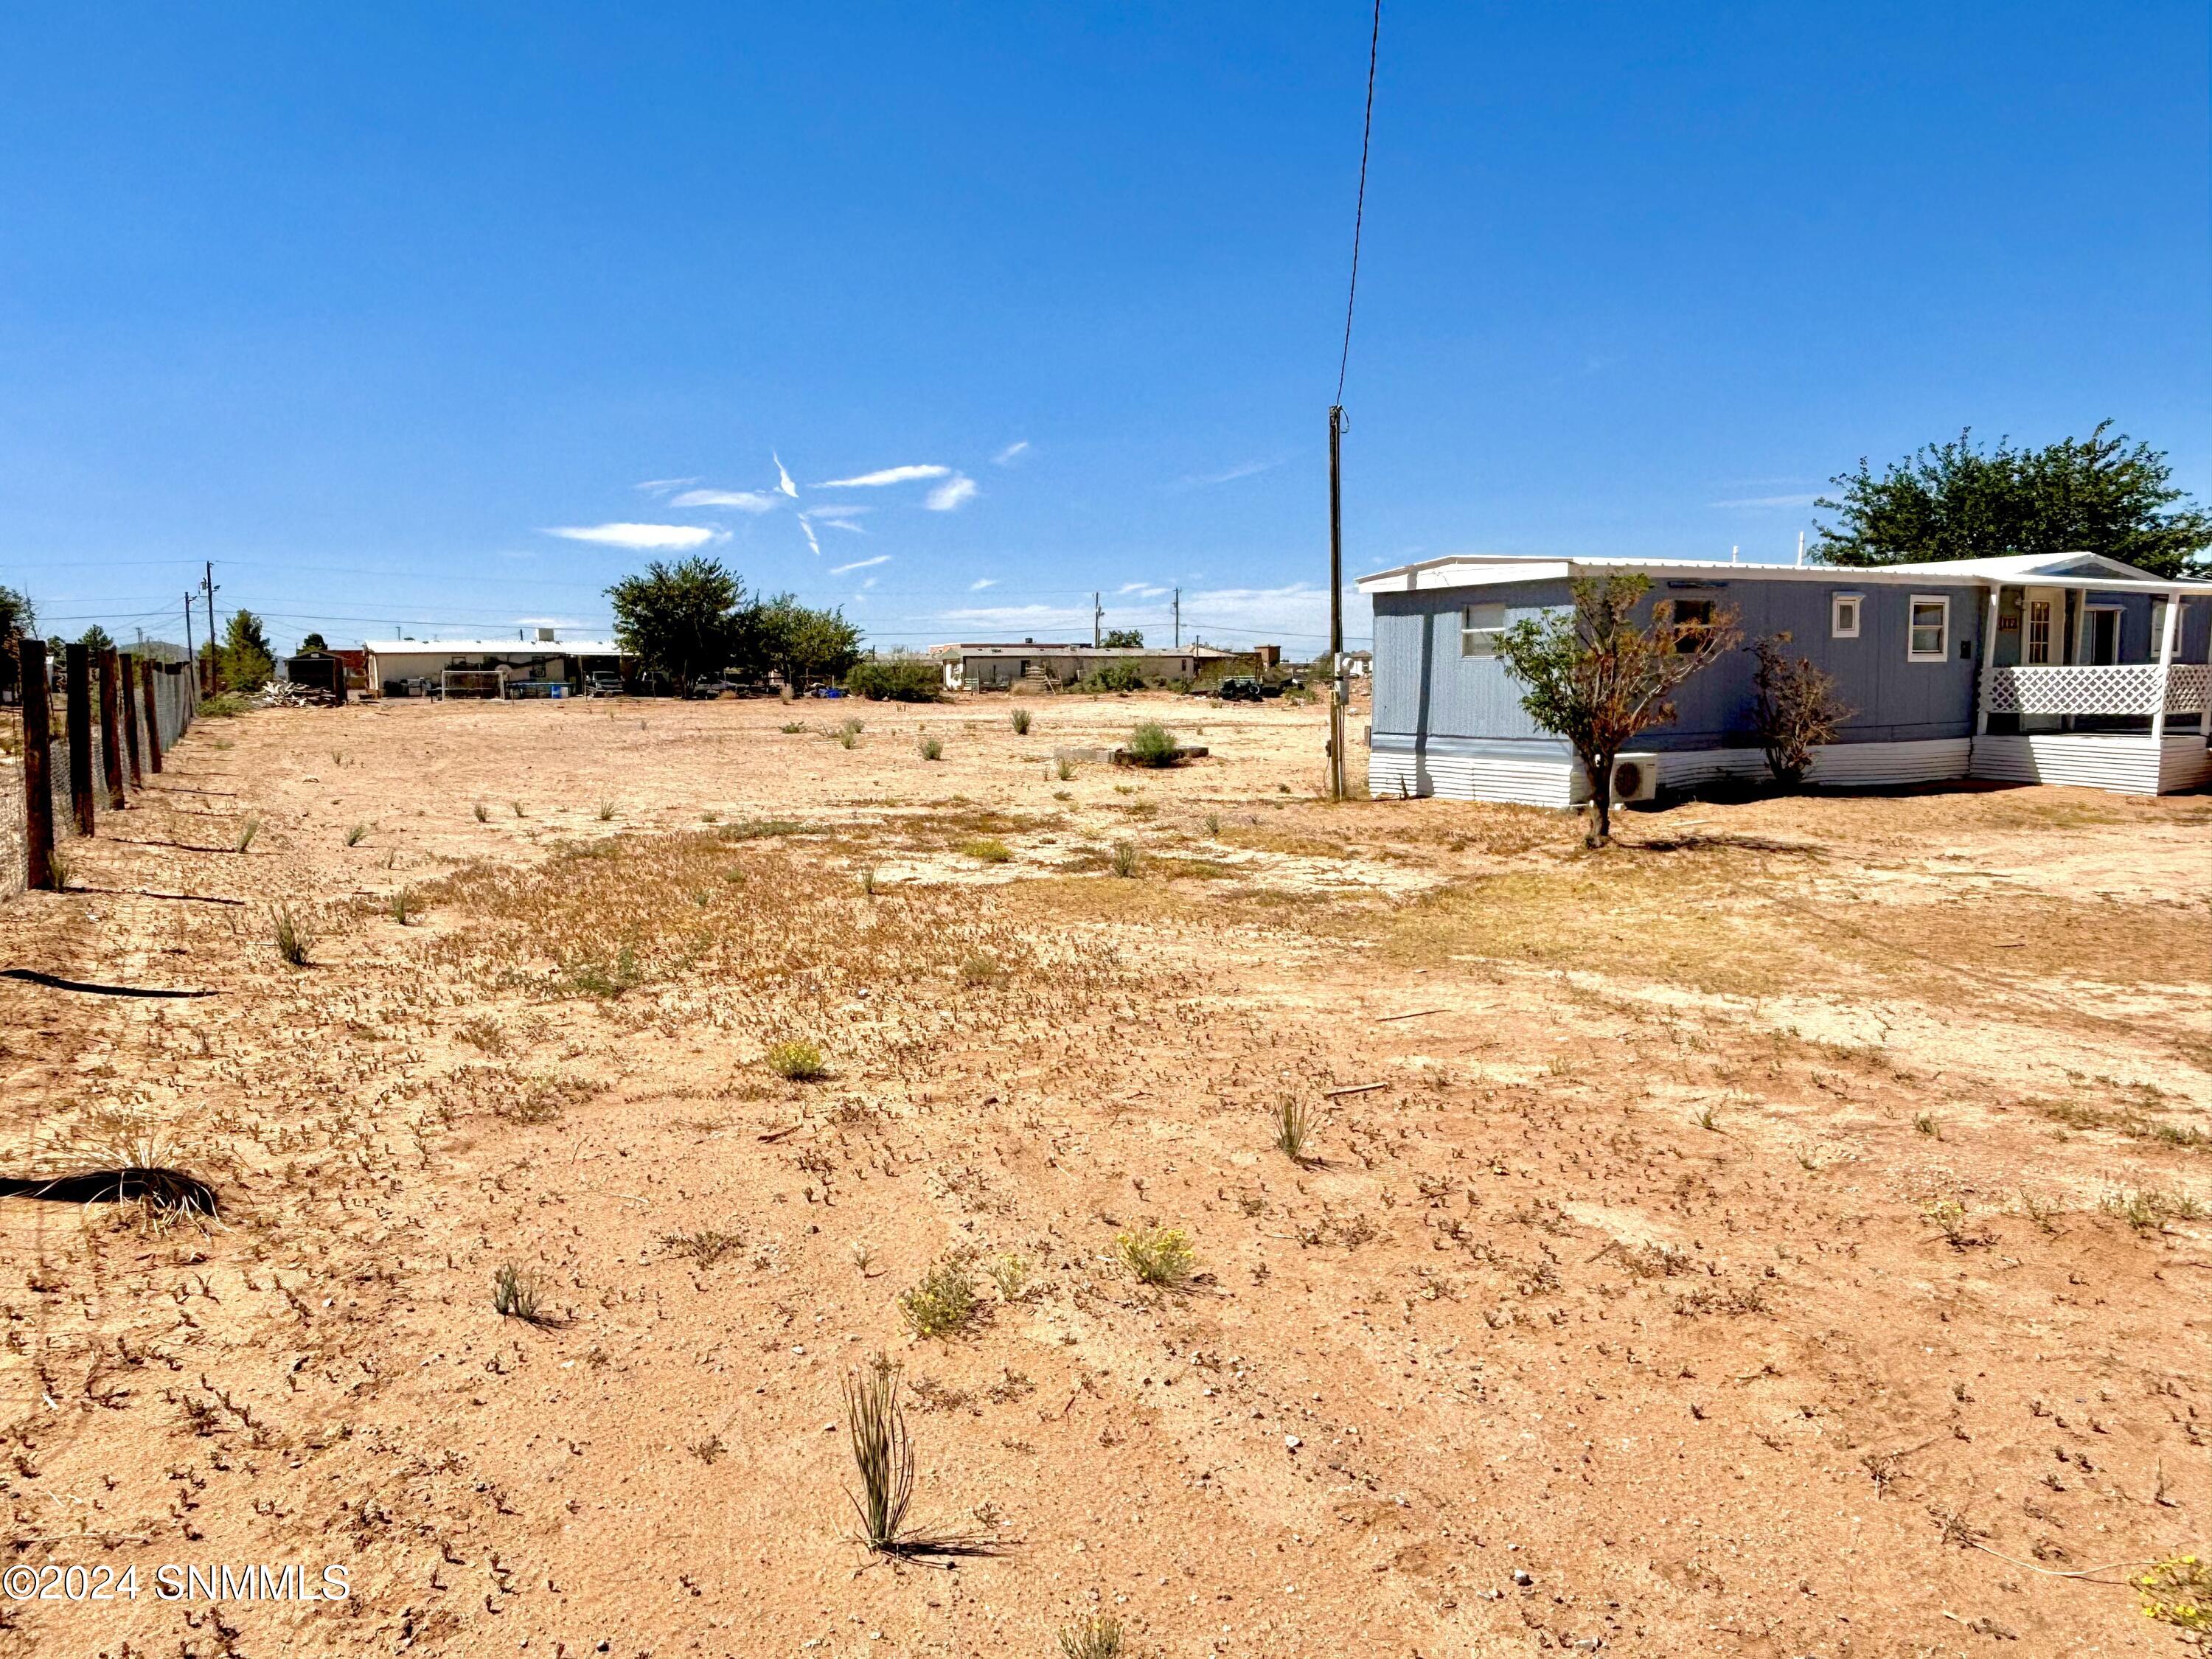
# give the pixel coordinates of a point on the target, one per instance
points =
(989, 848)
(515, 1294)
(942, 1303)
(1021, 722)
(1011, 1274)
(2149, 1209)
(981, 969)
(1293, 1124)
(932, 749)
(1157, 1256)
(1123, 860)
(355, 835)
(291, 935)
(797, 1059)
(247, 832)
(1151, 744)
(482, 812)
(706, 1245)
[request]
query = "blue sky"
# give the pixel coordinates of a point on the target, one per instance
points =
(368, 303)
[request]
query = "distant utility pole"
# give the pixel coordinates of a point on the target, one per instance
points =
(1178, 618)
(207, 586)
(1097, 618)
(191, 656)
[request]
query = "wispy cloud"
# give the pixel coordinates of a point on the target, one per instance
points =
(640, 537)
(982, 582)
(812, 542)
(746, 501)
(1249, 469)
(1768, 501)
(1019, 615)
(1144, 590)
(662, 486)
(954, 492)
(549, 621)
(860, 564)
(1012, 452)
(889, 475)
(782, 478)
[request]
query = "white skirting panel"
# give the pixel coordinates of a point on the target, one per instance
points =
(1392, 773)
(1842, 765)
(2120, 761)
(2184, 763)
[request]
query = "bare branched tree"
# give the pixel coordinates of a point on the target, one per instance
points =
(1797, 709)
(1598, 678)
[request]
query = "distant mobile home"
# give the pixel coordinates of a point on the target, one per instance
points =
(403, 668)
(1048, 664)
(2058, 668)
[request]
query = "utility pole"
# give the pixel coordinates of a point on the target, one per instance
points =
(1097, 616)
(191, 656)
(207, 583)
(1338, 690)
(1178, 618)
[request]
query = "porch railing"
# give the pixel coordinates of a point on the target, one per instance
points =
(2113, 689)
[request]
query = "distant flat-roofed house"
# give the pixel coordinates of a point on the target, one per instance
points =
(2051, 668)
(399, 668)
(999, 666)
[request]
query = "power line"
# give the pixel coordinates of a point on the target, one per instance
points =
(1360, 211)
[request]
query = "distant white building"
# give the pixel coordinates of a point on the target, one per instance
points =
(415, 668)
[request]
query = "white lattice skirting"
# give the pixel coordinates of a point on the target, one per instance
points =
(2128, 764)
(2118, 689)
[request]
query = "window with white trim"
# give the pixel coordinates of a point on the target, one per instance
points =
(1844, 615)
(1930, 633)
(1480, 625)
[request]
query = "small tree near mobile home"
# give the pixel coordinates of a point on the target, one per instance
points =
(1598, 679)
(1796, 709)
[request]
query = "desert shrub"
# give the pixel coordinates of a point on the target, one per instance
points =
(1293, 1124)
(988, 848)
(2178, 1591)
(1114, 677)
(792, 727)
(60, 868)
(942, 1303)
(1157, 1256)
(1794, 710)
(482, 812)
(1021, 722)
(981, 969)
(847, 737)
(932, 749)
(1011, 1274)
(604, 980)
(1123, 860)
(247, 832)
(883, 1453)
(606, 811)
(1151, 744)
(797, 1059)
(357, 834)
(896, 681)
(1099, 1636)
(225, 705)
(292, 939)
(403, 907)
(2148, 1209)
(1063, 768)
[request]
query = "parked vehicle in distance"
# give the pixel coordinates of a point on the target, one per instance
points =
(605, 683)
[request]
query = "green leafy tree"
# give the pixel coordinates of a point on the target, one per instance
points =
(1123, 639)
(17, 619)
(96, 638)
(1955, 501)
(684, 619)
(314, 642)
(248, 661)
(799, 643)
(1597, 677)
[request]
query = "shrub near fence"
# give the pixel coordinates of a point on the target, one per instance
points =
(154, 705)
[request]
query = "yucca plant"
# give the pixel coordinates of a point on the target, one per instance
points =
(883, 1452)
(1293, 1123)
(1021, 722)
(1124, 859)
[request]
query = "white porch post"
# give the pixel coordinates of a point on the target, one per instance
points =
(2165, 669)
(1988, 662)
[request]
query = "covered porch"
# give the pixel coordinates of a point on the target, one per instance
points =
(2097, 681)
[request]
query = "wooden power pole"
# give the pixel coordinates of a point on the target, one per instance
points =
(1338, 690)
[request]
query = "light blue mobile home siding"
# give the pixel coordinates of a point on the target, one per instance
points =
(1427, 694)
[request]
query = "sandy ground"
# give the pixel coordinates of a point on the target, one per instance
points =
(1776, 1236)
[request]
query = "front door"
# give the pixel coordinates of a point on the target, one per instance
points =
(2100, 634)
(2042, 623)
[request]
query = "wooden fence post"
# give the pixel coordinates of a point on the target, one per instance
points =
(126, 668)
(111, 730)
(153, 719)
(76, 720)
(37, 766)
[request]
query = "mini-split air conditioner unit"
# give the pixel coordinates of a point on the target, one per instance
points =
(1635, 777)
